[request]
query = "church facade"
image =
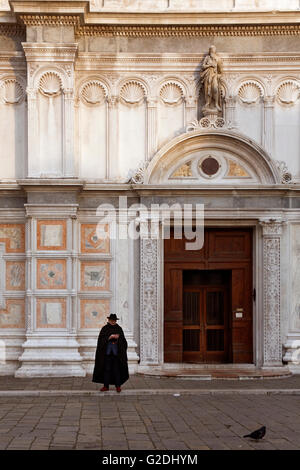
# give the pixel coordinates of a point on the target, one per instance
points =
(118, 118)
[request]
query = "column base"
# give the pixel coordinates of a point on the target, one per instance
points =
(50, 357)
(292, 352)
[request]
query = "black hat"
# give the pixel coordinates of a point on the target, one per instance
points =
(113, 316)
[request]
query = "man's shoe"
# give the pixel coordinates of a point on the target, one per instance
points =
(118, 389)
(104, 389)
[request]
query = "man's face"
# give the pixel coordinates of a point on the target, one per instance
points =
(112, 322)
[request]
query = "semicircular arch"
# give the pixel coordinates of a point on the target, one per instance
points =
(237, 160)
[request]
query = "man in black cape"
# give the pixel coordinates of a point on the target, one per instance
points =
(111, 367)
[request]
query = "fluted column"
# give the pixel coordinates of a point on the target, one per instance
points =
(190, 110)
(113, 132)
(230, 112)
(268, 129)
(152, 128)
(69, 163)
(33, 166)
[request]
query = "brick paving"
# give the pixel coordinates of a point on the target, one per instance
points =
(149, 423)
(165, 420)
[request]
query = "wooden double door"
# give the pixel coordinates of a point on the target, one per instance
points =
(205, 323)
(208, 299)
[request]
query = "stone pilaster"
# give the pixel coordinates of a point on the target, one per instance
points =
(113, 129)
(152, 128)
(149, 297)
(50, 77)
(268, 124)
(272, 347)
(190, 110)
(230, 112)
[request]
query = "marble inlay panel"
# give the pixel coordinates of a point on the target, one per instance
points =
(15, 275)
(94, 313)
(13, 316)
(13, 235)
(95, 275)
(51, 274)
(93, 240)
(51, 235)
(51, 313)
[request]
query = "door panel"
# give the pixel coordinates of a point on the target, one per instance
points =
(205, 324)
(208, 313)
(173, 315)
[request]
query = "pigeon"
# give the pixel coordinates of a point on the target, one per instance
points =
(258, 434)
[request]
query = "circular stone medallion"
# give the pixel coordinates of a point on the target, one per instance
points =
(209, 166)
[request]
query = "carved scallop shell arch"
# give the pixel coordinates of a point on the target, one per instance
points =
(50, 84)
(250, 92)
(12, 91)
(132, 92)
(93, 93)
(288, 92)
(171, 93)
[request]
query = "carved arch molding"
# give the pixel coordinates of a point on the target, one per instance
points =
(237, 159)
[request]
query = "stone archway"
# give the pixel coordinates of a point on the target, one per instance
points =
(243, 160)
(263, 173)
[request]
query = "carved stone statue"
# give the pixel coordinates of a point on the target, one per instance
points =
(210, 79)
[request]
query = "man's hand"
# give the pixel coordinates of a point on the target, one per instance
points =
(114, 336)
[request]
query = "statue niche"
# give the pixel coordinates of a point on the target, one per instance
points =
(210, 80)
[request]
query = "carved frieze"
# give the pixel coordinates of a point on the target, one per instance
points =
(272, 229)
(188, 30)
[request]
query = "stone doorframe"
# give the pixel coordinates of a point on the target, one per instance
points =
(267, 345)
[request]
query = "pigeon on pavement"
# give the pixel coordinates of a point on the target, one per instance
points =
(258, 434)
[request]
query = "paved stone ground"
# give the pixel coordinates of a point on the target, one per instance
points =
(137, 382)
(149, 422)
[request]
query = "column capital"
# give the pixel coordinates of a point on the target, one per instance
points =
(269, 101)
(152, 102)
(48, 52)
(112, 101)
(272, 226)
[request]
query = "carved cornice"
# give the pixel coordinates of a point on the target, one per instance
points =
(188, 30)
(50, 20)
(48, 52)
(13, 30)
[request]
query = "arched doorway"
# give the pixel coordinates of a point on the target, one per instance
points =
(178, 173)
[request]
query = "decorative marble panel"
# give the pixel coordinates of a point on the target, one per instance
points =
(95, 275)
(51, 313)
(15, 275)
(93, 242)
(13, 235)
(94, 313)
(13, 316)
(51, 235)
(51, 274)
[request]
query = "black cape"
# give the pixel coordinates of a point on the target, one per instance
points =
(106, 331)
